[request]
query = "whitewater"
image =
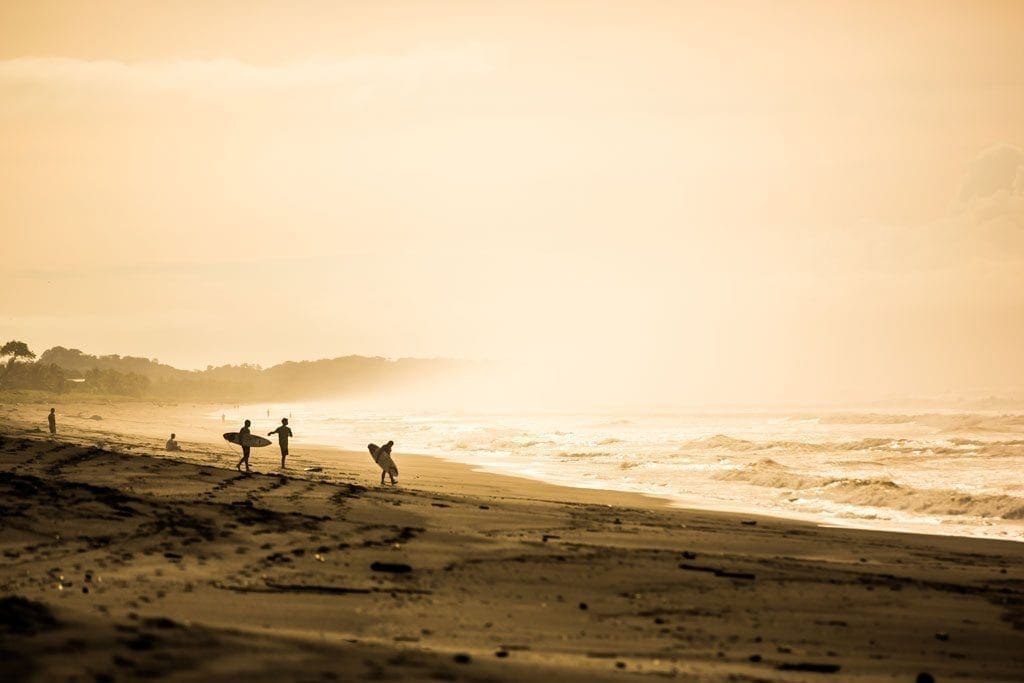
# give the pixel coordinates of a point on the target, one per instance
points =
(948, 473)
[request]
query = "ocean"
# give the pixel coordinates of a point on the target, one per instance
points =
(943, 472)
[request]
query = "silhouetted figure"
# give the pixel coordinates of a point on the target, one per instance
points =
(382, 456)
(52, 420)
(172, 445)
(223, 417)
(284, 432)
(243, 441)
(268, 412)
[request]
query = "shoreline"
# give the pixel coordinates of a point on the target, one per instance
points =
(129, 426)
(134, 564)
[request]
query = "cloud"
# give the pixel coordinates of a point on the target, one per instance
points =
(998, 169)
(39, 83)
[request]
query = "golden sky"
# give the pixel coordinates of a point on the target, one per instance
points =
(680, 202)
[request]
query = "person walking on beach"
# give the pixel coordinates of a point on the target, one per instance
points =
(243, 441)
(382, 456)
(284, 432)
(52, 420)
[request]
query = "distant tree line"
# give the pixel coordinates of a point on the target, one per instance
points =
(64, 370)
(21, 372)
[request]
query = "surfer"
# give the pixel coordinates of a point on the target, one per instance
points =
(284, 432)
(382, 456)
(172, 445)
(243, 441)
(52, 420)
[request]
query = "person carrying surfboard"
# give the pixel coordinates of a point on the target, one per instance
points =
(283, 433)
(243, 441)
(382, 456)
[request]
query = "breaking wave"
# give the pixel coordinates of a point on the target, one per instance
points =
(878, 493)
(952, 446)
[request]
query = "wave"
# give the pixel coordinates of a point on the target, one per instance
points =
(769, 473)
(878, 493)
(723, 441)
(956, 422)
(953, 446)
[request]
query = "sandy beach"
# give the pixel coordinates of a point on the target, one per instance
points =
(122, 562)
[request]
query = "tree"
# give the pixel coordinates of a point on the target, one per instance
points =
(16, 350)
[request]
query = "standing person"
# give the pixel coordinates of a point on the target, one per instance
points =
(382, 456)
(243, 441)
(52, 420)
(284, 432)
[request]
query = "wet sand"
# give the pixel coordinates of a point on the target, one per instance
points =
(124, 562)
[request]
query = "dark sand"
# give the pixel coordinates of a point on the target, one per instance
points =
(136, 564)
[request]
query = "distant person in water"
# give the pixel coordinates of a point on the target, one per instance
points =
(284, 432)
(243, 441)
(172, 445)
(52, 420)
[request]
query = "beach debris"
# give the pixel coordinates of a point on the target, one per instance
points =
(687, 555)
(501, 653)
(810, 667)
(583, 606)
(488, 507)
(462, 658)
(754, 658)
(441, 505)
(313, 469)
(924, 677)
(391, 567)
(749, 522)
(545, 537)
(942, 635)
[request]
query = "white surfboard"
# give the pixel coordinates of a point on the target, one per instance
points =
(383, 459)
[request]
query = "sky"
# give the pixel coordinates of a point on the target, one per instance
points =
(650, 202)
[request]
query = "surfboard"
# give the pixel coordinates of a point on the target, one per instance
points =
(253, 440)
(383, 459)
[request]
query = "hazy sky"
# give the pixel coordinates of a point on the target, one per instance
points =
(745, 201)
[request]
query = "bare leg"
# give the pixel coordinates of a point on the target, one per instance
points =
(382, 477)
